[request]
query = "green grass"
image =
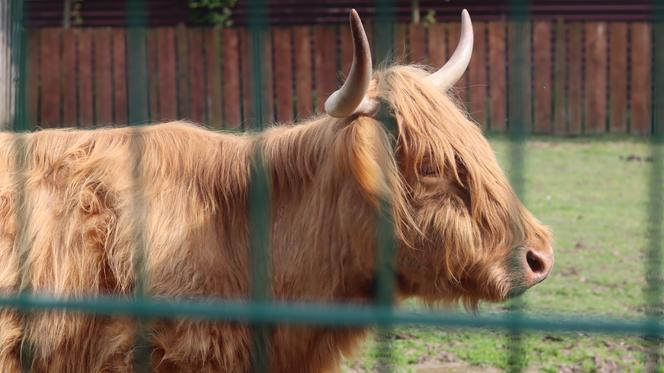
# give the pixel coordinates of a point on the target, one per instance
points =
(593, 193)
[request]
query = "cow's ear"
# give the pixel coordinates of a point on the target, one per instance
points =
(371, 161)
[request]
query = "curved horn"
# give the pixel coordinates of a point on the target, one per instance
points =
(452, 71)
(349, 98)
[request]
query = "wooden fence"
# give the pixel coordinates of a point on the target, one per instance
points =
(586, 77)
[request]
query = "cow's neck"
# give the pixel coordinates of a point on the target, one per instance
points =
(324, 238)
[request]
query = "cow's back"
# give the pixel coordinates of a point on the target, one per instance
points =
(83, 225)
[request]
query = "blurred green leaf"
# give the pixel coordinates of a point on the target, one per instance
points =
(211, 12)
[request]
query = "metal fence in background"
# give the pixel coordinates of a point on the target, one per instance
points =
(260, 311)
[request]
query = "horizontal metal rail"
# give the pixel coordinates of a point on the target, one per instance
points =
(341, 315)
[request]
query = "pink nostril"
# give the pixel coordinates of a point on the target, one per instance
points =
(539, 264)
(535, 262)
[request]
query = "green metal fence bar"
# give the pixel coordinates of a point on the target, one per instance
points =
(138, 115)
(259, 190)
(20, 125)
(329, 314)
(654, 262)
(518, 122)
(385, 244)
(18, 66)
(384, 31)
(137, 92)
(259, 228)
(386, 251)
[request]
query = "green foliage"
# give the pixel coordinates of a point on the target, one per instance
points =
(430, 18)
(211, 12)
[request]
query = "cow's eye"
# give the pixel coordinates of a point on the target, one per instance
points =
(428, 169)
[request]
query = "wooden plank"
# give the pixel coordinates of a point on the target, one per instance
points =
(497, 76)
(618, 76)
(213, 76)
(283, 74)
(437, 45)
(268, 79)
(153, 73)
(596, 45)
(303, 83)
(542, 77)
(119, 76)
(248, 118)
(197, 75)
(346, 45)
(33, 76)
(85, 95)
(167, 75)
(69, 107)
(102, 72)
(477, 76)
(231, 72)
(641, 77)
(183, 76)
(575, 78)
(560, 113)
(50, 77)
(325, 63)
(417, 44)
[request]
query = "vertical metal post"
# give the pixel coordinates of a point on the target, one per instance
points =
(16, 73)
(519, 120)
(653, 265)
(137, 115)
(8, 66)
(385, 18)
(257, 21)
(13, 36)
(385, 257)
(137, 92)
(259, 191)
(385, 247)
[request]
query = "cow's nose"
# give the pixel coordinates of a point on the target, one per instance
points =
(538, 265)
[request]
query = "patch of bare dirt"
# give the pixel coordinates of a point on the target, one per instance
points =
(454, 368)
(569, 272)
(601, 366)
(545, 144)
(635, 158)
(580, 246)
(445, 362)
(552, 338)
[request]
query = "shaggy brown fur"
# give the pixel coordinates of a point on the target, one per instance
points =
(458, 223)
